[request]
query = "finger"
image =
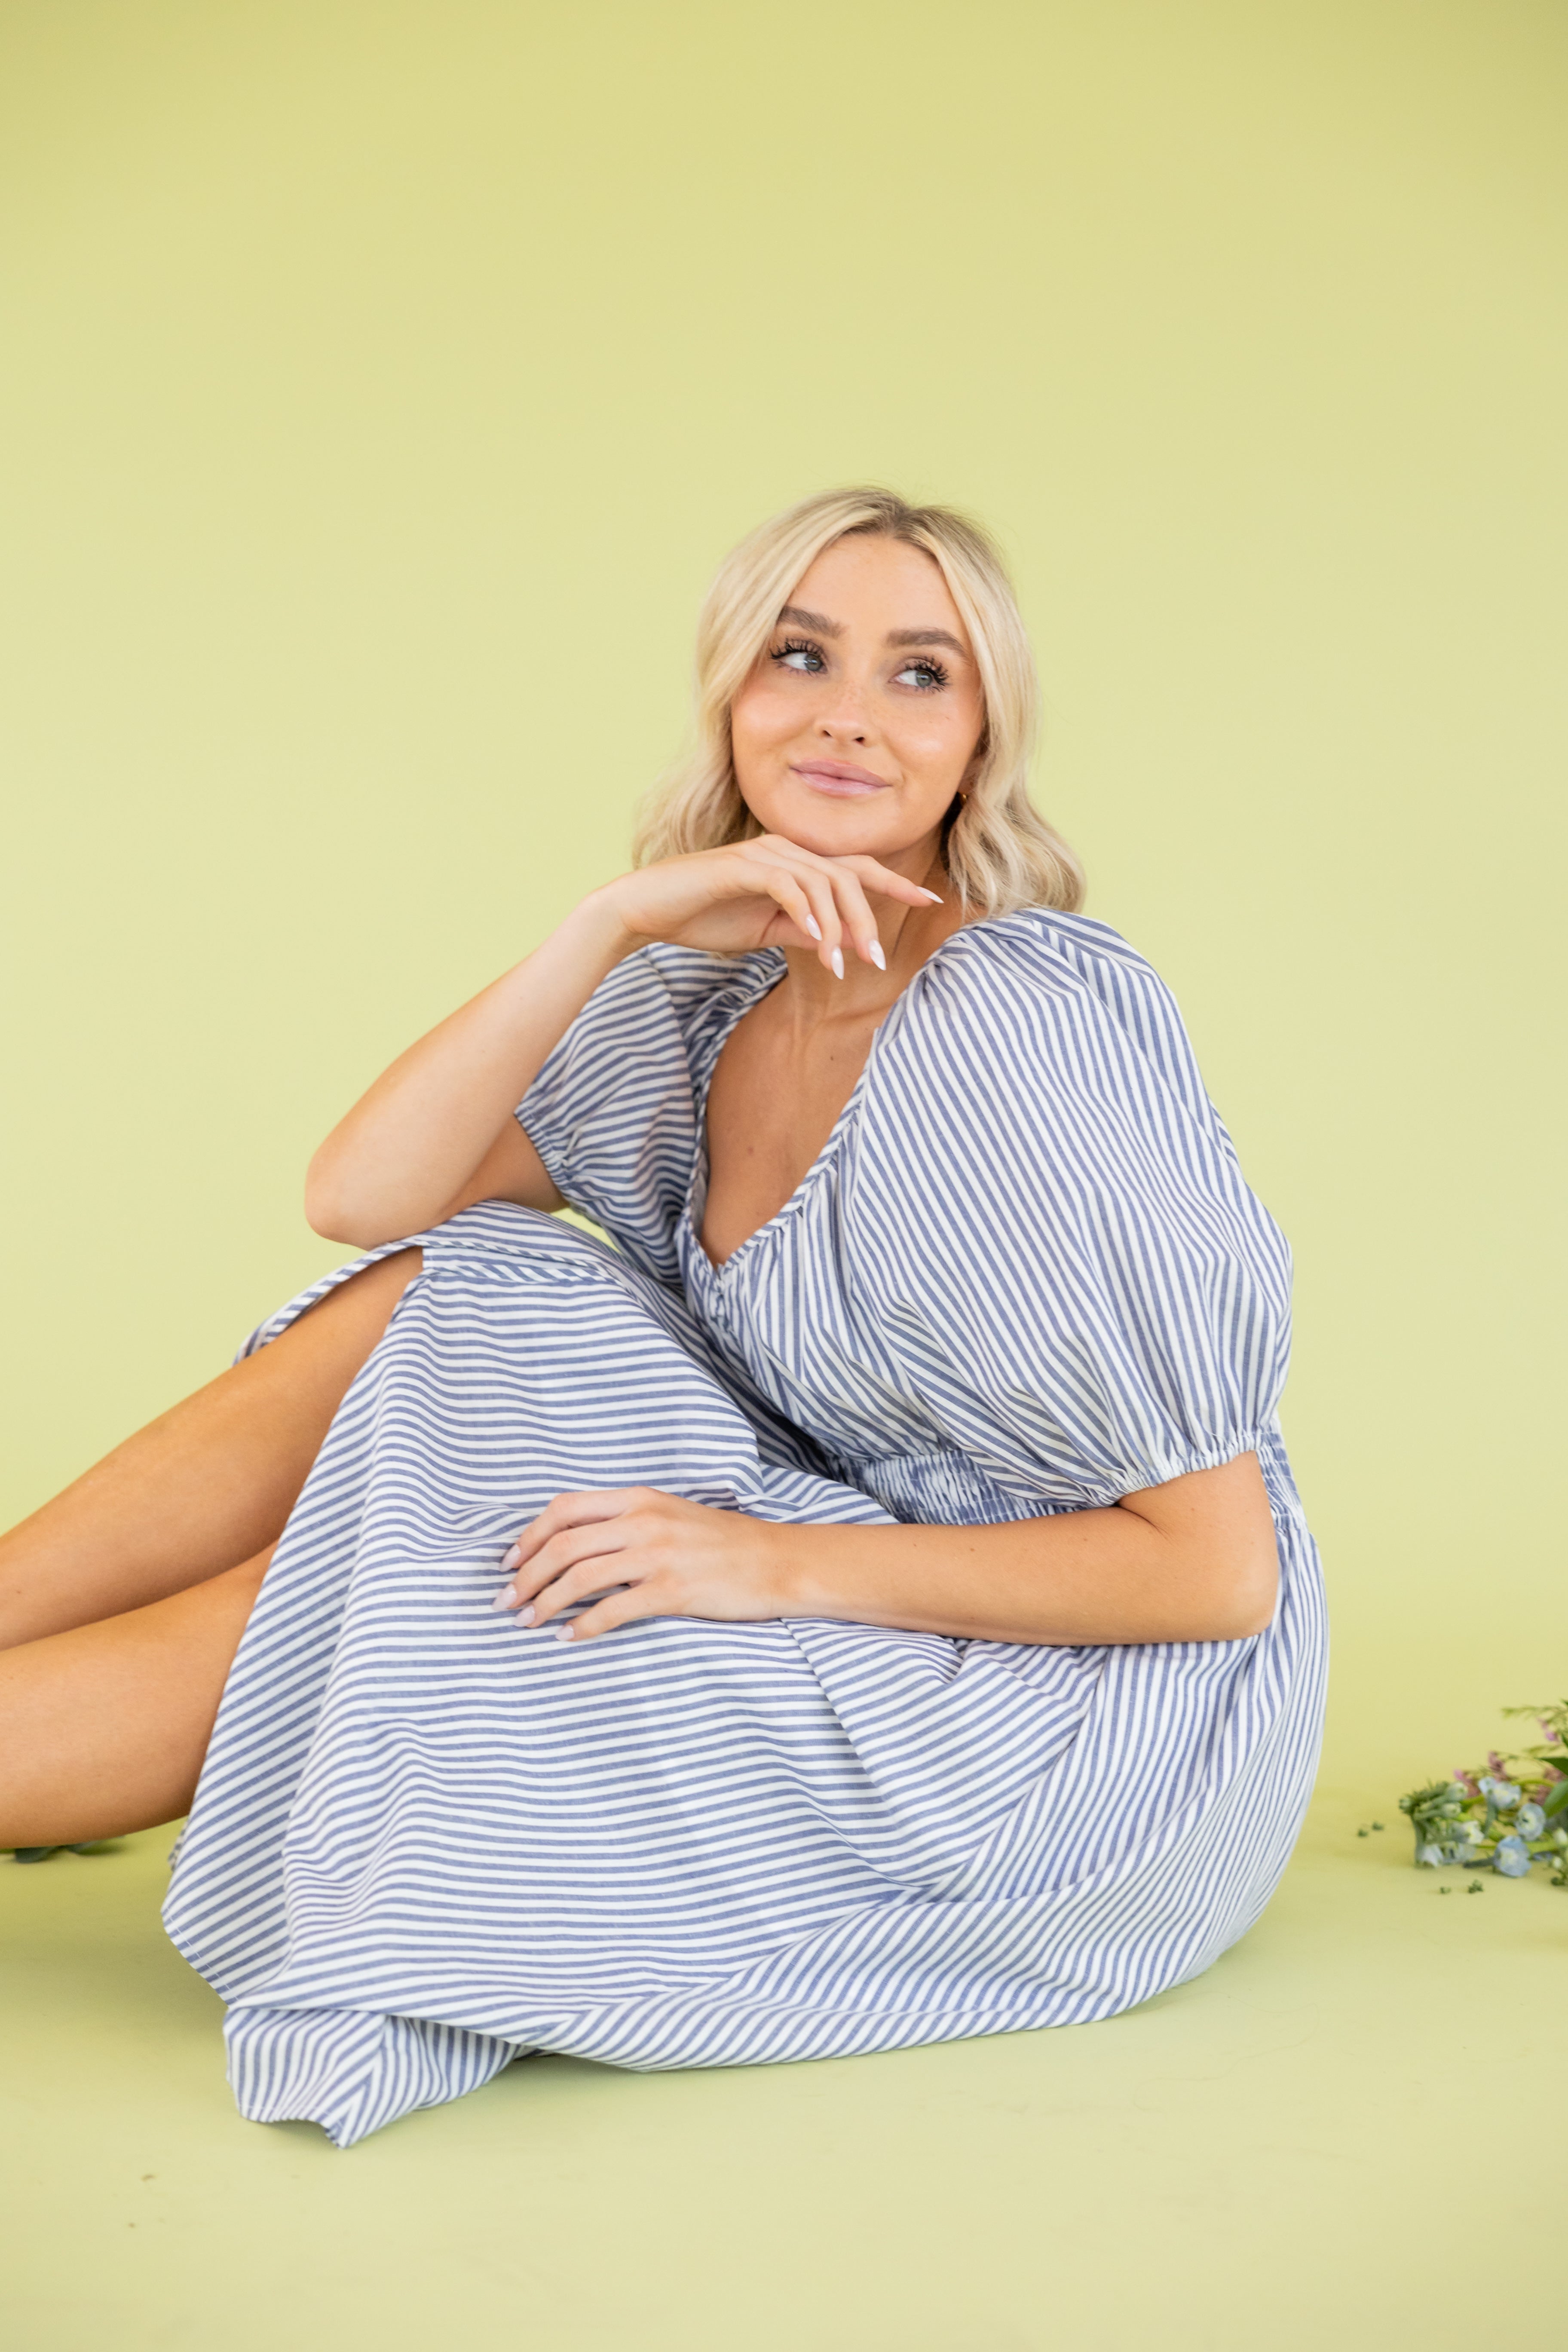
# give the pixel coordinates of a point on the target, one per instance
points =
(857, 916)
(882, 880)
(651, 1598)
(813, 876)
(603, 1541)
(798, 879)
(771, 847)
(573, 1510)
(557, 1552)
(826, 927)
(837, 886)
(593, 1581)
(794, 890)
(792, 901)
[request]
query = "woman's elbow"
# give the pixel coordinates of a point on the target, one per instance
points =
(1247, 1596)
(330, 1221)
(1221, 1558)
(332, 1210)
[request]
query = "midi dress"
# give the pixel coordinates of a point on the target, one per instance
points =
(1024, 1275)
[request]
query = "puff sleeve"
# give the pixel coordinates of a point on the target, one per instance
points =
(611, 1113)
(1051, 1226)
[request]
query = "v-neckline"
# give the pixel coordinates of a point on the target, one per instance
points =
(696, 1210)
(746, 1001)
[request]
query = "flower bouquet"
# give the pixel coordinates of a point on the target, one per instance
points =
(1506, 1818)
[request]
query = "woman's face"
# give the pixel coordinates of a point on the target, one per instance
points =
(860, 720)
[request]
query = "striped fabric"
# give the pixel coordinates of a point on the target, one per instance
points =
(1024, 1275)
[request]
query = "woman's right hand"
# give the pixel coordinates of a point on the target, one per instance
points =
(764, 893)
(436, 1130)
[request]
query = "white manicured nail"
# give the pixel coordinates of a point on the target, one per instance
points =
(931, 894)
(564, 1634)
(814, 927)
(513, 1559)
(505, 1597)
(838, 964)
(877, 958)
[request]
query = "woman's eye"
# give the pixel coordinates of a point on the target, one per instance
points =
(923, 675)
(800, 658)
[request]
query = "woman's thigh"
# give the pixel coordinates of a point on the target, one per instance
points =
(207, 1486)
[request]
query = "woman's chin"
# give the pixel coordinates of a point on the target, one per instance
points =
(831, 827)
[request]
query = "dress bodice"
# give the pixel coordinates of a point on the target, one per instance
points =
(782, 1307)
(1023, 1275)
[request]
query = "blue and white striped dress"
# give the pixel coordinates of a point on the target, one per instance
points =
(1024, 1275)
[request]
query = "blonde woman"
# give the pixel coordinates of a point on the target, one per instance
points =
(868, 1603)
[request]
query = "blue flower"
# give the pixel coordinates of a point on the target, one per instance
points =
(1432, 1856)
(1530, 1821)
(1500, 1794)
(1512, 1859)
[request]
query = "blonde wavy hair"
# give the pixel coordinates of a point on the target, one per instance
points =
(1000, 851)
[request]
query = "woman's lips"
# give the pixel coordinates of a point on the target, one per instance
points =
(839, 780)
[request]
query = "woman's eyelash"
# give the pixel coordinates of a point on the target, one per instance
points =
(936, 675)
(796, 646)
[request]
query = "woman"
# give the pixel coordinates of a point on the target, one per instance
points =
(869, 1604)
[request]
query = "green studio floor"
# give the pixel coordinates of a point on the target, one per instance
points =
(1343, 2134)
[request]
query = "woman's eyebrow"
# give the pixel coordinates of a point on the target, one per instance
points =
(826, 628)
(926, 637)
(817, 621)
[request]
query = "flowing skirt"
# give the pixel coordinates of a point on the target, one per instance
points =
(427, 1841)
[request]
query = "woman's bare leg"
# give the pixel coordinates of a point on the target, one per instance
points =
(103, 1729)
(198, 1492)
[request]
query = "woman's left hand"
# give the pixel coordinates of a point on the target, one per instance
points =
(675, 1558)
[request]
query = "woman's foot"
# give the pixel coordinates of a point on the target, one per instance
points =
(43, 1853)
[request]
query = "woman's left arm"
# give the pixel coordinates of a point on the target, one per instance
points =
(1192, 1560)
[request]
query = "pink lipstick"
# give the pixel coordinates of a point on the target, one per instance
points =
(838, 778)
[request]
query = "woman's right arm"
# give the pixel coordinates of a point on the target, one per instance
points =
(435, 1132)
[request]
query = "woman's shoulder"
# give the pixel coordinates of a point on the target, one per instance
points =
(650, 1033)
(670, 988)
(1040, 954)
(1046, 948)
(1041, 984)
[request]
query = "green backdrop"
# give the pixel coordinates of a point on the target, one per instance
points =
(383, 379)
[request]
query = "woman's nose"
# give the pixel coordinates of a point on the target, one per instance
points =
(846, 720)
